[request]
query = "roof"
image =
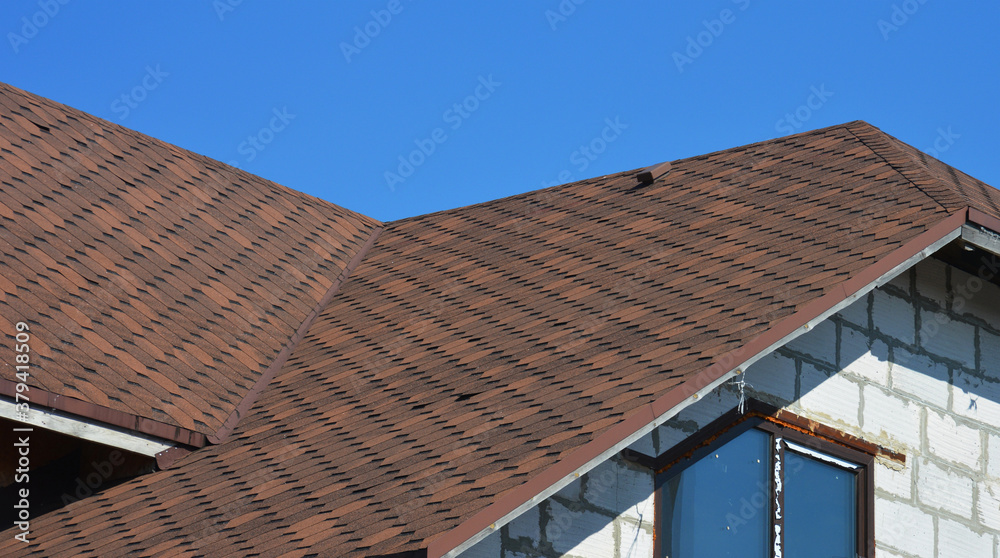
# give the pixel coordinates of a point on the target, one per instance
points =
(166, 283)
(478, 355)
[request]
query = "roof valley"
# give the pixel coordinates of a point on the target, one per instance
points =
(246, 404)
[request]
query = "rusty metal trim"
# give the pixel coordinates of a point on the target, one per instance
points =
(828, 433)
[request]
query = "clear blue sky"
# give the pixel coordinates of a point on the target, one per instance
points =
(330, 112)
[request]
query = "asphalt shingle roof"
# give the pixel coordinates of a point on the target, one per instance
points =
(163, 283)
(471, 351)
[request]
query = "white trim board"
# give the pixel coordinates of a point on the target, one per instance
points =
(77, 428)
(982, 238)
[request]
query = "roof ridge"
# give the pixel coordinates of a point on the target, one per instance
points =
(972, 191)
(626, 173)
(916, 172)
(103, 125)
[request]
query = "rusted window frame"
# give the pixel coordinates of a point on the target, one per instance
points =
(781, 425)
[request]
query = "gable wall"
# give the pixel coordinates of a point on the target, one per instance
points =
(913, 367)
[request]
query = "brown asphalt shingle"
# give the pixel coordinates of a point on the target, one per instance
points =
(158, 283)
(473, 348)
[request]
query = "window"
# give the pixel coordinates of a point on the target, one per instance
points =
(765, 488)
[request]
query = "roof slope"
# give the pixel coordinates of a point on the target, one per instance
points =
(475, 348)
(162, 284)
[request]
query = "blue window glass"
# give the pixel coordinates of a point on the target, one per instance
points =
(720, 505)
(820, 508)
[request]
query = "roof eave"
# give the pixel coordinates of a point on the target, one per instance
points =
(107, 416)
(84, 429)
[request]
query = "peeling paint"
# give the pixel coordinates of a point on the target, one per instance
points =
(777, 495)
(890, 463)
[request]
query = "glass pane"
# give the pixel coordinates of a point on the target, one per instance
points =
(720, 506)
(820, 508)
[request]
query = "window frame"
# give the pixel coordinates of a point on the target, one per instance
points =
(787, 426)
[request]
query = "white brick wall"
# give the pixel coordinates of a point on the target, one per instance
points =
(891, 420)
(821, 344)
(526, 525)
(838, 401)
(856, 314)
(951, 339)
(951, 441)
(968, 287)
(932, 281)
(993, 451)
(893, 478)
(944, 489)
(968, 401)
(869, 364)
(957, 540)
(779, 380)
(925, 382)
(904, 527)
(607, 513)
(883, 553)
(490, 547)
(988, 506)
(920, 378)
(990, 346)
(636, 542)
(580, 532)
(894, 316)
